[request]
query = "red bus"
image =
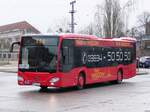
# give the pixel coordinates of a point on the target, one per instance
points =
(65, 60)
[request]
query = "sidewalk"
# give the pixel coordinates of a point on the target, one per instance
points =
(142, 71)
(12, 67)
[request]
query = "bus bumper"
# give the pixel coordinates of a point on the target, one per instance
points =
(39, 79)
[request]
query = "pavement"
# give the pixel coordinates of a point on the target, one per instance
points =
(142, 71)
(130, 96)
(12, 67)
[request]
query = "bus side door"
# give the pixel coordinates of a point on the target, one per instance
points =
(67, 61)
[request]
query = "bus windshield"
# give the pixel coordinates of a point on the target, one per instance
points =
(38, 54)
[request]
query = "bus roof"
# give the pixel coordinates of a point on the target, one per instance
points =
(84, 37)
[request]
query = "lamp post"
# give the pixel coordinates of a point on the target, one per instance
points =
(72, 17)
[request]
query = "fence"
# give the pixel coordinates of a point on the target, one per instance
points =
(6, 57)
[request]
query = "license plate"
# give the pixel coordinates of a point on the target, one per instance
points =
(36, 84)
(27, 82)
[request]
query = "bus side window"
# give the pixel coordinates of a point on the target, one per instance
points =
(65, 55)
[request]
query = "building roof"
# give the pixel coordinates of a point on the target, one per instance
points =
(19, 25)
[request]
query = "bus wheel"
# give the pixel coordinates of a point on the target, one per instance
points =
(119, 77)
(43, 88)
(81, 82)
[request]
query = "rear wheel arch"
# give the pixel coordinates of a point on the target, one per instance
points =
(84, 75)
(121, 70)
(119, 76)
(81, 80)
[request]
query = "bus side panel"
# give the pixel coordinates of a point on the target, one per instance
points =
(131, 72)
(100, 64)
(93, 75)
(101, 74)
(70, 78)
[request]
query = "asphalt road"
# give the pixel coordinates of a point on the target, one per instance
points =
(133, 95)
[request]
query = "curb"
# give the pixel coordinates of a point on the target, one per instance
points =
(142, 73)
(7, 71)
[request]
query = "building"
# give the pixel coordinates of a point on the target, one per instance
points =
(144, 49)
(142, 34)
(12, 32)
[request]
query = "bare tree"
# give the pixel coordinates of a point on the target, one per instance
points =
(98, 26)
(113, 23)
(60, 25)
(49, 30)
(144, 20)
(89, 29)
(111, 18)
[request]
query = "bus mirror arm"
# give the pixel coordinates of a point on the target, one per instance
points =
(12, 46)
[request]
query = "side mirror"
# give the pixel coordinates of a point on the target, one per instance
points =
(12, 46)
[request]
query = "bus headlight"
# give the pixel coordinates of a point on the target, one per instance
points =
(20, 78)
(53, 80)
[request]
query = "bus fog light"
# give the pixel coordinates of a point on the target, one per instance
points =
(53, 80)
(20, 78)
(52, 83)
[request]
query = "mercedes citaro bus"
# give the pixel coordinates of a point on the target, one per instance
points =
(65, 60)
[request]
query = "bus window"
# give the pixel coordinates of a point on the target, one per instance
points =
(38, 54)
(66, 56)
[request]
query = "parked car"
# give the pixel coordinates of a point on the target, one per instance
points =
(144, 62)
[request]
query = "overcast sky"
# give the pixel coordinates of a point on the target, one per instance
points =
(44, 13)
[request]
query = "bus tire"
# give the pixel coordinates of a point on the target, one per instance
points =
(43, 88)
(119, 78)
(81, 81)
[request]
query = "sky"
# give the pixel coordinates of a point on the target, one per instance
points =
(44, 14)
